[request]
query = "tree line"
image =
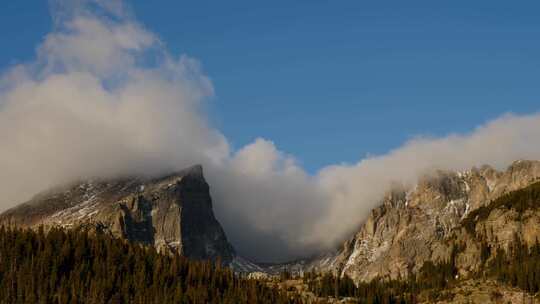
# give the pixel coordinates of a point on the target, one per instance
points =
(75, 266)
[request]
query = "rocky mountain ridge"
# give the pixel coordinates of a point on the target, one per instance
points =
(172, 213)
(413, 226)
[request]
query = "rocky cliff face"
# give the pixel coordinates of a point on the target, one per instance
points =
(172, 213)
(415, 225)
(411, 226)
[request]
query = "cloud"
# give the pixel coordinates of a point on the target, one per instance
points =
(104, 98)
(90, 105)
(266, 200)
(92, 46)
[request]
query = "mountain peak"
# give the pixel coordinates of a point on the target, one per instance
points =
(172, 212)
(195, 171)
(411, 225)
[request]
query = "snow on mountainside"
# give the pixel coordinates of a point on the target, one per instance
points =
(172, 213)
(410, 226)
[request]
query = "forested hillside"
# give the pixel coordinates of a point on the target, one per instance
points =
(77, 267)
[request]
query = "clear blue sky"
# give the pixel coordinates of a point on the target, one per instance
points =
(332, 81)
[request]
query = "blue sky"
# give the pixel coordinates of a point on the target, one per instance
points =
(331, 82)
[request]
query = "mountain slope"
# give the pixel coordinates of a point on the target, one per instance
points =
(491, 256)
(172, 213)
(413, 226)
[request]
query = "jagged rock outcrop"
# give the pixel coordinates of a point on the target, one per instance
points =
(412, 226)
(172, 213)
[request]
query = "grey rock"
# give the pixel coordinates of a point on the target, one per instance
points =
(172, 213)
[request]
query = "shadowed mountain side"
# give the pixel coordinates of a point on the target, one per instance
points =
(171, 213)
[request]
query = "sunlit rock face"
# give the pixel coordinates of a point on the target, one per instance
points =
(415, 225)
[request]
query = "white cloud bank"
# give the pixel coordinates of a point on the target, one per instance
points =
(104, 98)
